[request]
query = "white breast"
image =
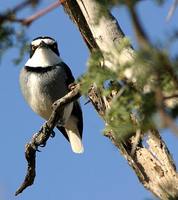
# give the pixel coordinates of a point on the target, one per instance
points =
(40, 103)
(43, 57)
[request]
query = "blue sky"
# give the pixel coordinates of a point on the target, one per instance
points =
(101, 172)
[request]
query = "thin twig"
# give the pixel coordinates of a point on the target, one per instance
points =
(39, 139)
(10, 14)
(172, 10)
(42, 12)
(27, 21)
(22, 5)
(171, 96)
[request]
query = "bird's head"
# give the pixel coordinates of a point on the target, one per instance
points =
(43, 52)
(43, 42)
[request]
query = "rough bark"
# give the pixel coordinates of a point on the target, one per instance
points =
(152, 163)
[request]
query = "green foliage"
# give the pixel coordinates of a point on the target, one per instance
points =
(12, 30)
(21, 44)
(13, 37)
(135, 105)
(6, 34)
(96, 73)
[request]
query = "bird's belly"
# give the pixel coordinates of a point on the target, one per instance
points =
(43, 94)
(41, 105)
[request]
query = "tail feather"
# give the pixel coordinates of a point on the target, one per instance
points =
(75, 141)
(72, 129)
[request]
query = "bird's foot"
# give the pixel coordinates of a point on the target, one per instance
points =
(52, 134)
(72, 86)
(35, 147)
(43, 145)
(87, 102)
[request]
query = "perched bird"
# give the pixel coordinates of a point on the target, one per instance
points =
(46, 78)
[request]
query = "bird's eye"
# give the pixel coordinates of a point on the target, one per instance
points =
(54, 46)
(33, 48)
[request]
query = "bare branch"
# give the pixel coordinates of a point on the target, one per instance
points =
(23, 4)
(10, 16)
(39, 139)
(42, 12)
(172, 10)
(171, 97)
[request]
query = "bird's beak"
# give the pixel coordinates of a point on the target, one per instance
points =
(42, 45)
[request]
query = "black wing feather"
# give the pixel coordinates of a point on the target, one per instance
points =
(69, 76)
(76, 112)
(63, 131)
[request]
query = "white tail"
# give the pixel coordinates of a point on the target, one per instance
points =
(74, 135)
(75, 141)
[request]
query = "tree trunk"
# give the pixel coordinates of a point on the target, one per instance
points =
(152, 164)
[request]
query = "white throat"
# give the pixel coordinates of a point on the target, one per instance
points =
(43, 57)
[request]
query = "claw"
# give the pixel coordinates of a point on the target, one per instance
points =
(38, 149)
(52, 134)
(35, 147)
(43, 145)
(87, 102)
